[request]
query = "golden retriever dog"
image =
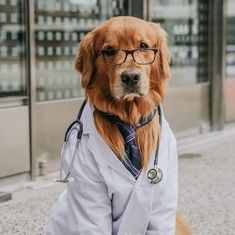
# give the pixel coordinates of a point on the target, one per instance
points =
(125, 84)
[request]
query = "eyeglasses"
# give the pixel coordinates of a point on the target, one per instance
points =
(115, 56)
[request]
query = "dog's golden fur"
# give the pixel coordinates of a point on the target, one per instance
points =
(102, 82)
(99, 79)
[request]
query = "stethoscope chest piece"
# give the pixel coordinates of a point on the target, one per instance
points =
(155, 175)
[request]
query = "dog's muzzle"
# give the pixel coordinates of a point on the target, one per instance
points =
(131, 82)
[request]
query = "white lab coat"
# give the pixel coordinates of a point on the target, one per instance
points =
(105, 199)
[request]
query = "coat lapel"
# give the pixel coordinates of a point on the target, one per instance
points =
(102, 152)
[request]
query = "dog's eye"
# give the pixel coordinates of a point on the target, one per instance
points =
(143, 45)
(109, 51)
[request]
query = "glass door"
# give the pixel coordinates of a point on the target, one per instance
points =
(14, 121)
(12, 48)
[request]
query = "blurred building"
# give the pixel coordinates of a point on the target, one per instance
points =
(40, 92)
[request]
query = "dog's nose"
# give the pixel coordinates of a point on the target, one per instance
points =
(130, 78)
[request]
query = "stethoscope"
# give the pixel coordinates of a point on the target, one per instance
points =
(154, 174)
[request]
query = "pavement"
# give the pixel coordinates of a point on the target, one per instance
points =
(206, 189)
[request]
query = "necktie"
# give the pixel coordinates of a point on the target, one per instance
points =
(132, 159)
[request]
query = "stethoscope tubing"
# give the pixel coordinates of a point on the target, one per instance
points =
(62, 163)
(74, 125)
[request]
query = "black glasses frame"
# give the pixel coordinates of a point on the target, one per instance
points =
(128, 52)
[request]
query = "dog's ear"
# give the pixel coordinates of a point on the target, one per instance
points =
(163, 55)
(85, 61)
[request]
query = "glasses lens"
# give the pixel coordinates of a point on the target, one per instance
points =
(114, 56)
(144, 56)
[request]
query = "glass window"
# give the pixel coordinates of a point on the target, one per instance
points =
(230, 58)
(186, 24)
(59, 27)
(12, 48)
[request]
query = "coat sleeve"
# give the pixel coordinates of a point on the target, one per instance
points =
(163, 216)
(87, 205)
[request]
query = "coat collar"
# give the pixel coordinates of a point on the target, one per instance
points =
(88, 119)
(102, 152)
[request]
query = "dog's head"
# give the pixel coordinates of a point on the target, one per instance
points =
(124, 60)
